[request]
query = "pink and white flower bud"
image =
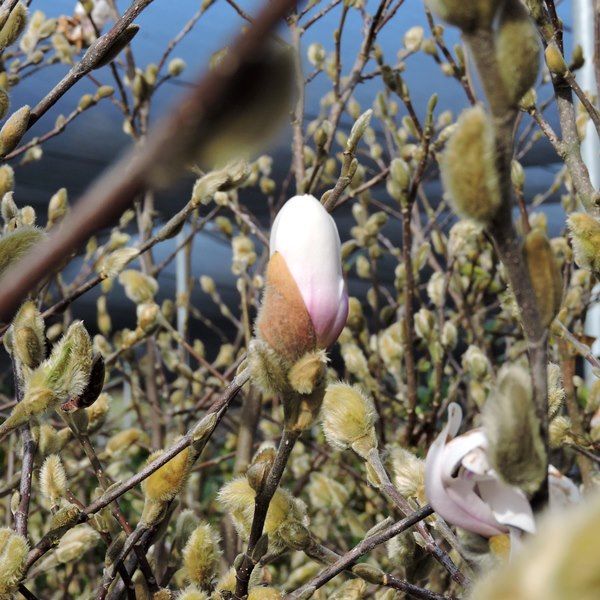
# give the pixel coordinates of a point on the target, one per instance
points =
(464, 490)
(305, 272)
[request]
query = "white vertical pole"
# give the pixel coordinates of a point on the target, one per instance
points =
(583, 34)
(182, 274)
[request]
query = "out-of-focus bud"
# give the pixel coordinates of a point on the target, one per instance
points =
(29, 344)
(545, 275)
(176, 67)
(555, 60)
(466, 15)
(14, 25)
(58, 206)
(348, 417)
(469, 169)
(515, 448)
(7, 182)
(4, 103)
(413, 38)
(139, 287)
(13, 130)
(475, 362)
(517, 49)
(316, 54)
(305, 303)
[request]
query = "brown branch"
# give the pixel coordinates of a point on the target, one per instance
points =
(359, 550)
(182, 131)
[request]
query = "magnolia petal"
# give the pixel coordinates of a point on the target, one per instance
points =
(478, 516)
(508, 504)
(457, 449)
(456, 502)
(307, 237)
(563, 492)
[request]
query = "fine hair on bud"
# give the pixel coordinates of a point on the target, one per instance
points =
(468, 167)
(53, 479)
(237, 498)
(14, 129)
(348, 416)
(29, 342)
(167, 481)
(201, 555)
(16, 244)
(14, 25)
(585, 237)
(517, 49)
(545, 275)
(307, 372)
(13, 552)
(139, 287)
(264, 593)
(515, 447)
(466, 14)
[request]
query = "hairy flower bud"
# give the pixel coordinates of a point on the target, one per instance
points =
(545, 275)
(53, 479)
(305, 303)
(348, 418)
(469, 169)
(585, 237)
(201, 555)
(515, 447)
(13, 130)
(14, 25)
(16, 244)
(467, 15)
(13, 553)
(139, 287)
(517, 49)
(555, 60)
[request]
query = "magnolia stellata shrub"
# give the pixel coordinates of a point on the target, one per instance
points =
(382, 394)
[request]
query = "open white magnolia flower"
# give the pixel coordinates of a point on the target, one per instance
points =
(464, 490)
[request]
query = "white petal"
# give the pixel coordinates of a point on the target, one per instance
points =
(508, 504)
(563, 492)
(307, 237)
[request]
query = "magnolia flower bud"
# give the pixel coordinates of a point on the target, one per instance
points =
(517, 49)
(585, 237)
(349, 417)
(13, 552)
(469, 168)
(201, 555)
(164, 484)
(467, 15)
(545, 275)
(305, 303)
(237, 498)
(13, 130)
(476, 362)
(16, 244)
(463, 488)
(14, 25)
(53, 479)
(515, 447)
(555, 60)
(7, 184)
(139, 287)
